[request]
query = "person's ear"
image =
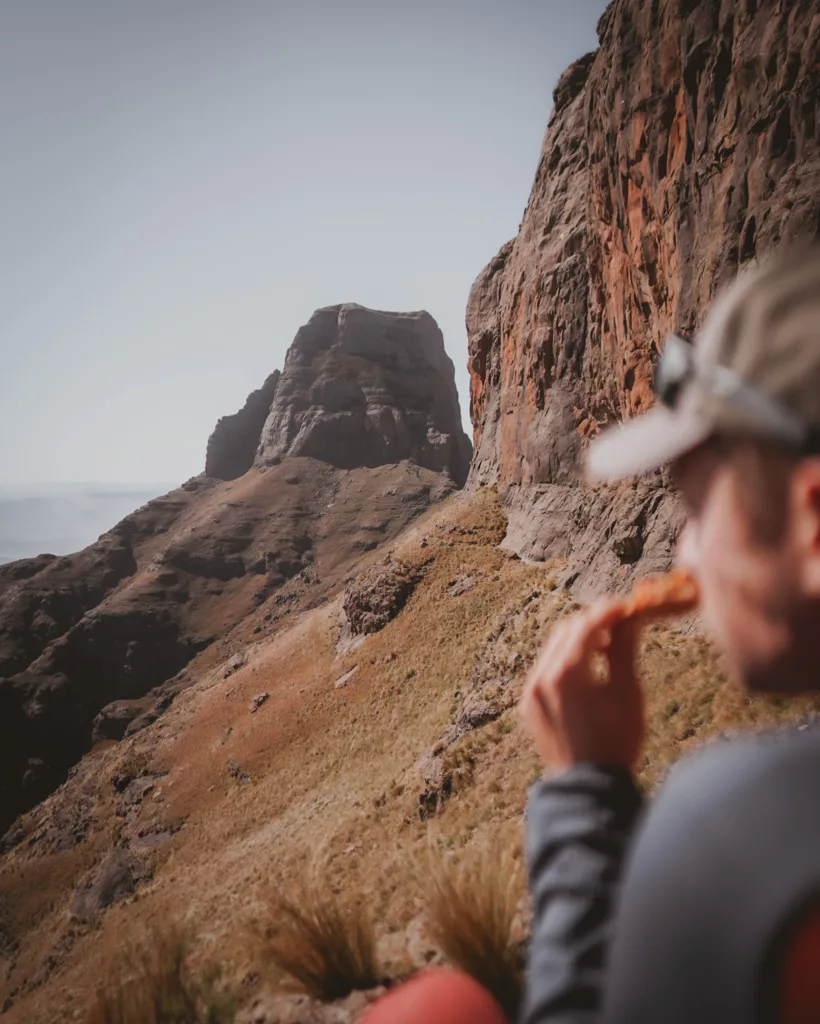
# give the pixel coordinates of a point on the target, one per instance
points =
(806, 523)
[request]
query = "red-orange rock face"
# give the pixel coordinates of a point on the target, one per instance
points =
(685, 146)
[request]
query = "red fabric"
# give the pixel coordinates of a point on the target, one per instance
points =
(437, 997)
(800, 975)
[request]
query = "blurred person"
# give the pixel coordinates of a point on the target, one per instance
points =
(705, 907)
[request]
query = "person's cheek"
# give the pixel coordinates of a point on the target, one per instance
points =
(710, 553)
(690, 555)
(686, 553)
(698, 552)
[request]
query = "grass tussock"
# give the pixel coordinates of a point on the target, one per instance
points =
(154, 984)
(321, 939)
(472, 904)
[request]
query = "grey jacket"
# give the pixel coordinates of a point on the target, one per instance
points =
(579, 825)
(680, 914)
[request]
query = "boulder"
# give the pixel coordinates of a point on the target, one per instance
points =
(111, 883)
(376, 596)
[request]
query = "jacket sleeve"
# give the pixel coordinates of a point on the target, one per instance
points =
(579, 826)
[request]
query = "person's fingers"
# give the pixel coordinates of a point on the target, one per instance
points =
(537, 721)
(571, 643)
(591, 633)
(571, 646)
(540, 719)
(543, 723)
(560, 640)
(533, 700)
(622, 652)
(550, 660)
(525, 703)
(604, 614)
(567, 632)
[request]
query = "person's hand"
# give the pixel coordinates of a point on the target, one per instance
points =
(582, 700)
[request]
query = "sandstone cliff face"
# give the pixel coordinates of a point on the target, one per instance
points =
(367, 388)
(682, 148)
(363, 433)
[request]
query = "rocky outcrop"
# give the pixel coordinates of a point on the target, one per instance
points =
(360, 387)
(367, 388)
(232, 446)
(684, 147)
(358, 435)
(374, 597)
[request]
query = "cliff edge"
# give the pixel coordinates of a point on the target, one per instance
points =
(684, 147)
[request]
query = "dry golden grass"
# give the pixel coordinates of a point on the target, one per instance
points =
(154, 984)
(691, 699)
(319, 938)
(472, 905)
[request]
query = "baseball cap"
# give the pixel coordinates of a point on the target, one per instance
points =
(753, 372)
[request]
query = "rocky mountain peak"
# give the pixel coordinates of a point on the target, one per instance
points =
(359, 388)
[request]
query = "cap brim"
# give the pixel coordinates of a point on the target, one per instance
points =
(644, 444)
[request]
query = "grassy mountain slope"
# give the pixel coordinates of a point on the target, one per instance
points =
(215, 806)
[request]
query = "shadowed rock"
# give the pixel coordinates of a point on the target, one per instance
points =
(232, 446)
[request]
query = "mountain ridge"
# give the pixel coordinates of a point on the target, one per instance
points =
(116, 622)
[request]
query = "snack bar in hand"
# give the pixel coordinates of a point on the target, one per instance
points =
(673, 593)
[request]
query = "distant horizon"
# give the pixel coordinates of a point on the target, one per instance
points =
(59, 518)
(19, 486)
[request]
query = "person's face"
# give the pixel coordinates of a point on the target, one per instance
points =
(758, 564)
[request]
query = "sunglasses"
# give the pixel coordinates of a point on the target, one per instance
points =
(677, 370)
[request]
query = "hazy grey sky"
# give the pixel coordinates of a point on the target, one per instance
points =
(185, 181)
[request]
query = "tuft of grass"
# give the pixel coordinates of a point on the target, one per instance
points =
(155, 985)
(324, 941)
(472, 904)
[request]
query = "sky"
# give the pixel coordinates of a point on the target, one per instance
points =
(61, 518)
(185, 181)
